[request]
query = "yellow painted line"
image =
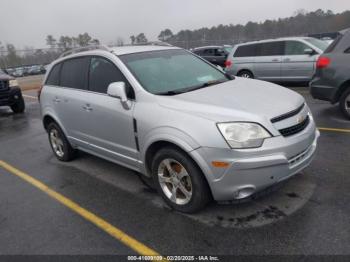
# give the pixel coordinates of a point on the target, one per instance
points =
(94, 219)
(334, 129)
(32, 97)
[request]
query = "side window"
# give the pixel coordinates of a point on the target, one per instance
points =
(347, 51)
(198, 52)
(220, 52)
(74, 73)
(295, 48)
(270, 49)
(54, 76)
(246, 51)
(208, 52)
(104, 72)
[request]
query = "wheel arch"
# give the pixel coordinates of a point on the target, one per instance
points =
(344, 86)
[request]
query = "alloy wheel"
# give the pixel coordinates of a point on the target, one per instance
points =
(56, 142)
(175, 181)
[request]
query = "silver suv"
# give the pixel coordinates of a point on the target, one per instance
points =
(278, 60)
(175, 118)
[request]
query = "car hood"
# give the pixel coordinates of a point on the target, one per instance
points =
(5, 77)
(237, 100)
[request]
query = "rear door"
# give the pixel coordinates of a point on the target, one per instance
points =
(220, 57)
(71, 96)
(209, 55)
(268, 61)
(296, 65)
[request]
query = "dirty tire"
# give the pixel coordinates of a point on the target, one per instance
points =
(67, 152)
(19, 107)
(200, 192)
(344, 103)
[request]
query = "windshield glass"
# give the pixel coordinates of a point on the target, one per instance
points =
(228, 49)
(1, 72)
(166, 71)
(318, 43)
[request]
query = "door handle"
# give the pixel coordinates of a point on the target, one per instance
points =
(87, 108)
(286, 60)
(56, 100)
(275, 60)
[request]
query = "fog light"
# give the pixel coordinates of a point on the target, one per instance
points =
(15, 96)
(244, 192)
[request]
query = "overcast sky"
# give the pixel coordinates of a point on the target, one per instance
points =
(27, 22)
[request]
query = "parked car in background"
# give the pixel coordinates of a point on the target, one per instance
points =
(36, 70)
(18, 72)
(331, 81)
(10, 93)
(279, 60)
(216, 55)
(156, 101)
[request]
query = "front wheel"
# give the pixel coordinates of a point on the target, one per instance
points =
(19, 106)
(344, 103)
(179, 181)
(245, 74)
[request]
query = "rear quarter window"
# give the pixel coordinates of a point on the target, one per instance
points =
(54, 75)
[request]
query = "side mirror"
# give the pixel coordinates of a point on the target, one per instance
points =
(117, 90)
(309, 51)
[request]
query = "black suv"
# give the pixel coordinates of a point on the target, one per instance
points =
(331, 81)
(10, 93)
(216, 55)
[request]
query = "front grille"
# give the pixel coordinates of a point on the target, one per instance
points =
(289, 131)
(3, 85)
(288, 115)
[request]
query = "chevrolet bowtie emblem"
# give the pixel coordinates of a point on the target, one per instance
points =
(300, 119)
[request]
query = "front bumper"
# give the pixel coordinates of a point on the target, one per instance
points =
(10, 97)
(253, 170)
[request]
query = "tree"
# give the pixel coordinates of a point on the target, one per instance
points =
(12, 58)
(141, 38)
(120, 41)
(65, 43)
(165, 35)
(83, 39)
(133, 39)
(51, 41)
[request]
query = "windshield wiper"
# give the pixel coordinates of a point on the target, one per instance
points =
(192, 88)
(204, 85)
(170, 93)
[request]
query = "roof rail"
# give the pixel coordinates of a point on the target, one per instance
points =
(158, 43)
(83, 49)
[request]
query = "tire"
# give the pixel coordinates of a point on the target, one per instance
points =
(19, 107)
(344, 103)
(61, 148)
(191, 189)
(246, 74)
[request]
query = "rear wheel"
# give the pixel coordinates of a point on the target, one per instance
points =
(245, 74)
(59, 143)
(179, 181)
(344, 103)
(19, 106)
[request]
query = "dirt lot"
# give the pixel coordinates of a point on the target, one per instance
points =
(30, 82)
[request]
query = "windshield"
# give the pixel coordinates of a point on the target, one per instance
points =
(171, 71)
(318, 43)
(228, 49)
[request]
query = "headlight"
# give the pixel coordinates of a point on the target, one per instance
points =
(13, 83)
(243, 135)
